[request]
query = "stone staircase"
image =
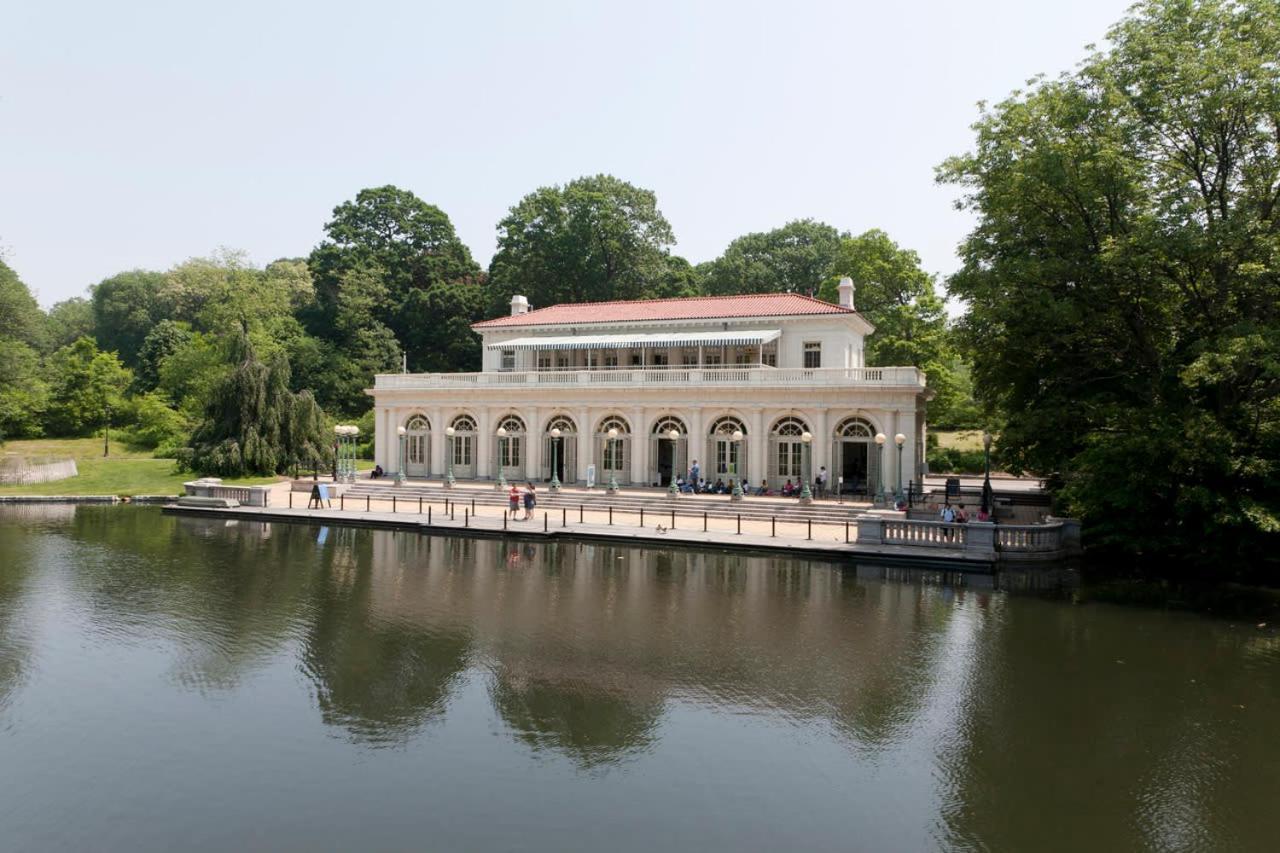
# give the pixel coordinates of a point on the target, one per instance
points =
(657, 501)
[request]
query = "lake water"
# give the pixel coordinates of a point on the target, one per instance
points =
(204, 685)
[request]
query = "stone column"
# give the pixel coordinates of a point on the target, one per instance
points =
(582, 420)
(821, 447)
(532, 444)
(639, 447)
(486, 444)
(438, 442)
(757, 448)
(383, 433)
(697, 439)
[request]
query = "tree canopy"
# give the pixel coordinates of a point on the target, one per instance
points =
(1122, 287)
(594, 239)
(795, 258)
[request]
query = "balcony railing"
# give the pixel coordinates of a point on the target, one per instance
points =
(660, 376)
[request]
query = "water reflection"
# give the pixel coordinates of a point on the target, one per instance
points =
(969, 708)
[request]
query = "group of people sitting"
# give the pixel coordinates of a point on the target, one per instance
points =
(694, 484)
(956, 514)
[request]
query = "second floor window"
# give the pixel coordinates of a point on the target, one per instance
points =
(508, 359)
(611, 359)
(812, 354)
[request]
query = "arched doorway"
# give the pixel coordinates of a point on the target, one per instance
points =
(668, 457)
(417, 446)
(727, 458)
(510, 456)
(856, 458)
(787, 452)
(463, 447)
(614, 457)
(560, 452)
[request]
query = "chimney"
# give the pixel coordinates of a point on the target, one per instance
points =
(519, 305)
(846, 292)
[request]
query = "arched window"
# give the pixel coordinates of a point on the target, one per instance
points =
(727, 425)
(463, 423)
(418, 423)
(416, 449)
(614, 422)
(512, 424)
(667, 423)
(614, 454)
(563, 423)
(790, 427)
(462, 446)
(854, 428)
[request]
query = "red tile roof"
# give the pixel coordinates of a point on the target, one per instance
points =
(690, 308)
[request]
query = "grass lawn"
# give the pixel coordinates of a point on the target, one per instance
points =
(124, 472)
(966, 439)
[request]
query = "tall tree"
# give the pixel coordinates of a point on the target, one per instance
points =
(252, 423)
(385, 256)
(20, 315)
(795, 258)
(69, 319)
(596, 238)
(1122, 287)
(166, 338)
(900, 299)
(87, 388)
(23, 392)
(125, 307)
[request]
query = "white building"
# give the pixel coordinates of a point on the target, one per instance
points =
(766, 367)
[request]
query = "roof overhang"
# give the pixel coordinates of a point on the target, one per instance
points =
(743, 338)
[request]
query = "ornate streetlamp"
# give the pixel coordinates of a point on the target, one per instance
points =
(613, 462)
(400, 431)
(448, 480)
(884, 491)
(987, 502)
(899, 440)
(736, 438)
(806, 496)
(672, 489)
(555, 459)
(502, 477)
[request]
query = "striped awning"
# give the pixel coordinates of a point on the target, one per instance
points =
(743, 338)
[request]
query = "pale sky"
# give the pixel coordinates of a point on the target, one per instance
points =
(138, 134)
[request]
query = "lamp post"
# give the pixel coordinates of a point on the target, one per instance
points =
(400, 431)
(613, 462)
(448, 480)
(502, 477)
(806, 496)
(899, 440)
(106, 430)
(555, 459)
(884, 492)
(986, 480)
(737, 480)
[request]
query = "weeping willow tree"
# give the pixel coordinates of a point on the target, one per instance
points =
(253, 424)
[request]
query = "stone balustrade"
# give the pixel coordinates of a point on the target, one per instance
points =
(1053, 539)
(211, 487)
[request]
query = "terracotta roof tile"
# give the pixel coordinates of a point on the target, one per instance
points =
(690, 308)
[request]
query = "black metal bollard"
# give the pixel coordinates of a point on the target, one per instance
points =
(428, 516)
(342, 501)
(610, 516)
(290, 498)
(579, 513)
(366, 503)
(773, 519)
(393, 504)
(811, 529)
(419, 504)
(473, 506)
(642, 516)
(564, 516)
(504, 519)
(846, 533)
(673, 519)
(739, 524)
(546, 525)
(466, 517)
(704, 522)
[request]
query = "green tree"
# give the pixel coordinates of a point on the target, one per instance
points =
(596, 238)
(20, 315)
(23, 393)
(253, 423)
(900, 299)
(69, 319)
(125, 307)
(393, 248)
(1122, 288)
(87, 387)
(164, 339)
(795, 258)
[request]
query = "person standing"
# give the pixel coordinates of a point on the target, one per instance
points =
(693, 474)
(513, 499)
(530, 501)
(822, 481)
